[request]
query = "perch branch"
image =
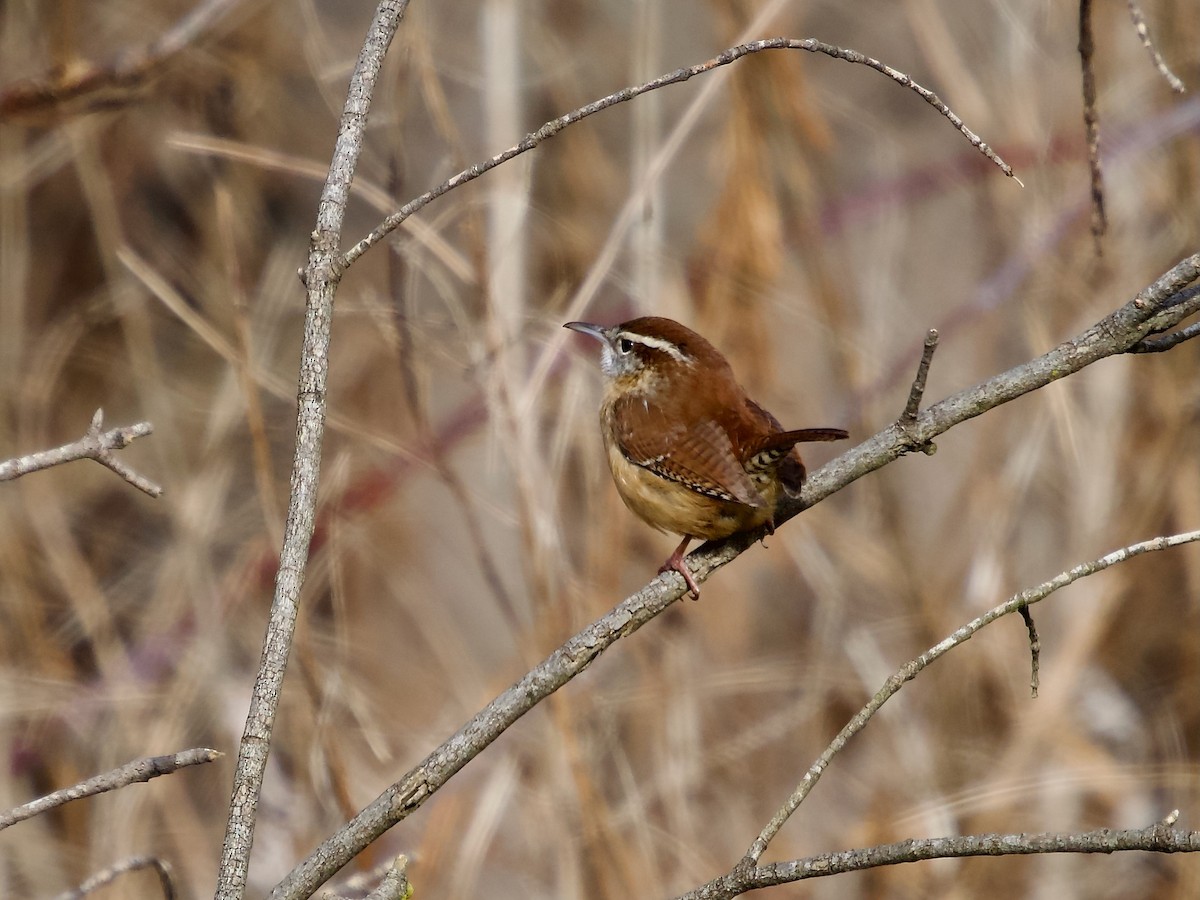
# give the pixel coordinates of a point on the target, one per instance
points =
(1112, 335)
(554, 126)
(95, 444)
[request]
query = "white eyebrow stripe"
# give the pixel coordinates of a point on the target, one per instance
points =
(655, 344)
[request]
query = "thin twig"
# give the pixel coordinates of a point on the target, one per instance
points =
(913, 667)
(135, 772)
(1110, 336)
(1143, 32)
(1158, 838)
(95, 444)
(1035, 652)
(323, 277)
(113, 82)
(1091, 122)
(917, 391)
(554, 126)
(1167, 341)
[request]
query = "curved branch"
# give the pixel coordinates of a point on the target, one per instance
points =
(1113, 335)
(554, 126)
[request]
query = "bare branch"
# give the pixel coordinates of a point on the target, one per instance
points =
(1143, 32)
(1158, 838)
(95, 444)
(323, 276)
(554, 126)
(113, 82)
(1112, 335)
(135, 772)
(913, 667)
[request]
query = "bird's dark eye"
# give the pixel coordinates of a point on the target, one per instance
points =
(625, 345)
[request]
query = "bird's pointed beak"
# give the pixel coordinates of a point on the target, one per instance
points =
(596, 331)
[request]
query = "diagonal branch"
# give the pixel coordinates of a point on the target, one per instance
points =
(554, 126)
(135, 772)
(1155, 306)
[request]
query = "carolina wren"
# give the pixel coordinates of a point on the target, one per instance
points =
(690, 452)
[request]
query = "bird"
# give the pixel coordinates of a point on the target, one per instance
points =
(690, 453)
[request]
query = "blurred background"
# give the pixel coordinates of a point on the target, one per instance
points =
(811, 218)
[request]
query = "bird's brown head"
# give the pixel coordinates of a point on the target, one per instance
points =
(637, 353)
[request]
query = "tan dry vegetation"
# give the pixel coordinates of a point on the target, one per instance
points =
(814, 222)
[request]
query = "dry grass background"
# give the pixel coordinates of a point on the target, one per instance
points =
(813, 223)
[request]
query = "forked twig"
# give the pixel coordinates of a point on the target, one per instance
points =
(95, 444)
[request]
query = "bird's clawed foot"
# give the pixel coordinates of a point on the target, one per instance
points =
(675, 563)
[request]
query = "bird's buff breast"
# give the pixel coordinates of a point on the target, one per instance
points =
(676, 508)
